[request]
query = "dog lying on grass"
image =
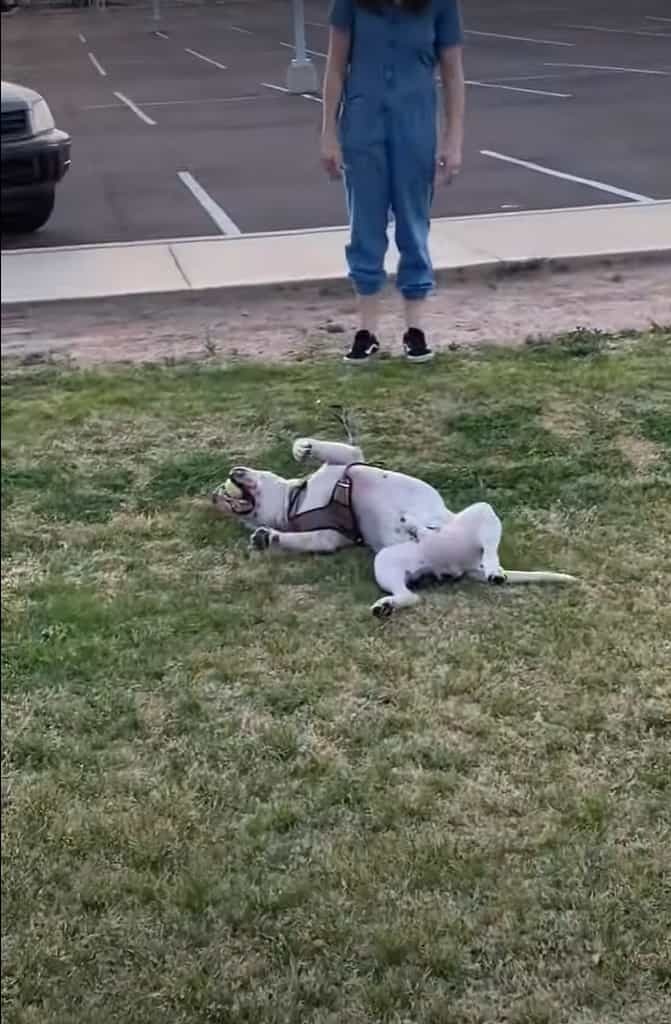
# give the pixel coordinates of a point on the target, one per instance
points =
(402, 519)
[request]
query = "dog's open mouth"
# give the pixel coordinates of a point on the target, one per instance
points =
(235, 495)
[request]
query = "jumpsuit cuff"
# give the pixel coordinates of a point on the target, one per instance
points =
(418, 293)
(366, 288)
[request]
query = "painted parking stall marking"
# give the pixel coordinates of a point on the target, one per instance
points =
(208, 60)
(215, 212)
(601, 185)
(97, 65)
(134, 107)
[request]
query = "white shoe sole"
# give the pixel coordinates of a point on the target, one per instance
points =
(361, 362)
(420, 359)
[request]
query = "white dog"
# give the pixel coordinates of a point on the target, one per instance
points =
(400, 518)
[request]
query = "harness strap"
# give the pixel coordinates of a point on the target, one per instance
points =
(337, 515)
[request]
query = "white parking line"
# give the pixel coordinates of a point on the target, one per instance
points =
(601, 185)
(103, 106)
(200, 100)
(219, 216)
(605, 67)
(161, 35)
(82, 38)
(97, 65)
(316, 24)
(651, 17)
(134, 107)
(281, 88)
(242, 31)
(518, 39)
(517, 88)
(179, 103)
(311, 53)
(528, 78)
(620, 31)
(208, 60)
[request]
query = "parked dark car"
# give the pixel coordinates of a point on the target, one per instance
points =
(35, 156)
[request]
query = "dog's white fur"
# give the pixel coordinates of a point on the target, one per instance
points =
(403, 520)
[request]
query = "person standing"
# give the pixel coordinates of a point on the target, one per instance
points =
(379, 127)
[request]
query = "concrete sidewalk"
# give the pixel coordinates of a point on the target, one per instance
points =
(186, 265)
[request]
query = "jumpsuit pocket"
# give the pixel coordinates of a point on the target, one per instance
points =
(360, 123)
(349, 118)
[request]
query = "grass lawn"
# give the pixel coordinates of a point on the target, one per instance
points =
(232, 795)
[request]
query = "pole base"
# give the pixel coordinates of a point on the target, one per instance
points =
(302, 77)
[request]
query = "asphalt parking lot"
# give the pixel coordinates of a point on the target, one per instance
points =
(180, 128)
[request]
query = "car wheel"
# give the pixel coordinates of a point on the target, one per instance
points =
(32, 217)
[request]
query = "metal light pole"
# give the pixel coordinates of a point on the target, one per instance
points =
(156, 4)
(301, 73)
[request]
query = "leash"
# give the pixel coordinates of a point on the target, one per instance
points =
(343, 417)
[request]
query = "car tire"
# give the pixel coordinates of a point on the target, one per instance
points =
(32, 217)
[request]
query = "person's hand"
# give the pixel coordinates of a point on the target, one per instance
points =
(331, 156)
(448, 161)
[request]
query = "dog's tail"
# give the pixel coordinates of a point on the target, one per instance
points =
(513, 576)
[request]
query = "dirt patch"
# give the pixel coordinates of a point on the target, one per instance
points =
(505, 308)
(562, 420)
(641, 453)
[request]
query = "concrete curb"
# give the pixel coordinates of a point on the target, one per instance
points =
(463, 247)
(338, 288)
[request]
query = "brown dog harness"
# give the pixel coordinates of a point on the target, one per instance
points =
(338, 514)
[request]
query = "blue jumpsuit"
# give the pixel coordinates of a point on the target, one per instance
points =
(387, 128)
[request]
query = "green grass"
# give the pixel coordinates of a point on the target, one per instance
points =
(230, 795)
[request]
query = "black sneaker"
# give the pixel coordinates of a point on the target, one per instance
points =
(415, 346)
(364, 347)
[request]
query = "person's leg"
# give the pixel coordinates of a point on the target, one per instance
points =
(369, 312)
(414, 313)
(412, 161)
(368, 199)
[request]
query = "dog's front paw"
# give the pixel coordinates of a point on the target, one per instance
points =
(383, 608)
(302, 449)
(262, 538)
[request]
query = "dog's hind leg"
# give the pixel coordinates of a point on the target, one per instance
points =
(486, 528)
(394, 567)
(331, 452)
(489, 534)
